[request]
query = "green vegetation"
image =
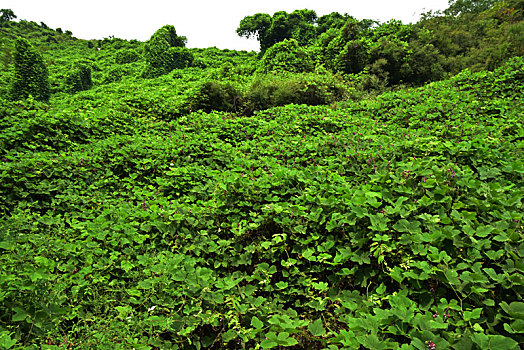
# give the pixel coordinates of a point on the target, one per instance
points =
(165, 52)
(330, 193)
(30, 74)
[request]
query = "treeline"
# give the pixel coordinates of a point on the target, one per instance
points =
(469, 34)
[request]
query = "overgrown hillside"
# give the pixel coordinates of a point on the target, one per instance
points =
(391, 222)
(304, 59)
(342, 189)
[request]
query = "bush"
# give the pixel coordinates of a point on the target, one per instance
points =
(114, 74)
(164, 52)
(215, 96)
(127, 56)
(78, 77)
(306, 88)
(286, 56)
(30, 73)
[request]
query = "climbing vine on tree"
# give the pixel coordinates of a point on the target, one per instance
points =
(30, 73)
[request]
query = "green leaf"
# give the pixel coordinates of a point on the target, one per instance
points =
(320, 285)
(515, 309)
(229, 335)
(281, 285)
(316, 328)
(285, 340)
(268, 344)
(452, 276)
(472, 315)
(397, 274)
(255, 322)
(5, 340)
(20, 315)
(378, 222)
(126, 265)
(499, 342)
(518, 326)
(483, 231)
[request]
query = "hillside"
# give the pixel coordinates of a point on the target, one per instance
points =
(227, 199)
(392, 221)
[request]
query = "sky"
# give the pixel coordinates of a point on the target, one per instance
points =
(204, 23)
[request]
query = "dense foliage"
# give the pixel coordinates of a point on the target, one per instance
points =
(79, 77)
(286, 56)
(164, 52)
(480, 34)
(30, 74)
(269, 30)
(304, 197)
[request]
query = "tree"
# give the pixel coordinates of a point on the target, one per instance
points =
(165, 51)
(269, 30)
(333, 20)
(457, 7)
(30, 73)
(256, 26)
(6, 15)
(286, 56)
(345, 49)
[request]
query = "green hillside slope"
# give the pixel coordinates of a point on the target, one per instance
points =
(394, 222)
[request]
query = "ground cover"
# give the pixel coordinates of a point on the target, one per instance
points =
(394, 222)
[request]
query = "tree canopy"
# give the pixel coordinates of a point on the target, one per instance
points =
(7, 15)
(269, 30)
(165, 51)
(468, 6)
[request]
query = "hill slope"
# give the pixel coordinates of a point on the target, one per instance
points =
(391, 223)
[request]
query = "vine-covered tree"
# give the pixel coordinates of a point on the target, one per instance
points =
(30, 73)
(457, 7)
(165, 51)
(79, 77)
(333, 20)
(256, 26)
(269, 30)
(475, 35)
(286, 56)
(6, 15)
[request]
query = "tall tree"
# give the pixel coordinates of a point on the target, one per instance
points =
(30, 75)
(256, 26)
(6, 15)
(457, 7)
(165, 51)
(269, 30)
(333, 20)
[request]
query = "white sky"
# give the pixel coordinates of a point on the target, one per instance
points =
(204, 23)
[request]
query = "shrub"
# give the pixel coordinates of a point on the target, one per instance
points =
(114, 74)
(127, 56)
(30, 74)
(306, 88)
(286, 56)
(217, 96)
(164, 52)
(79, 77)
